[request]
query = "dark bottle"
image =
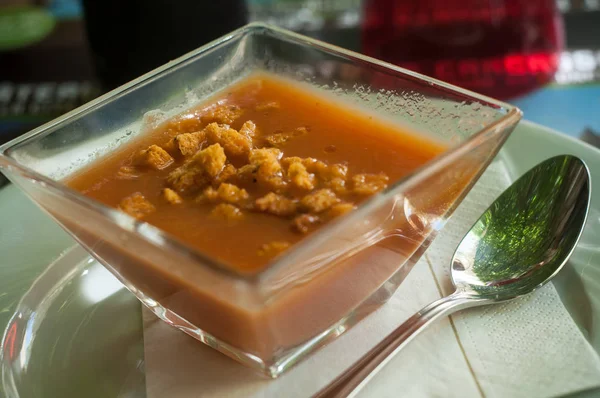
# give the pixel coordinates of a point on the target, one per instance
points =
(131, 37)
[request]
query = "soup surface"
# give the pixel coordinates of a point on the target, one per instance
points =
(254, 169)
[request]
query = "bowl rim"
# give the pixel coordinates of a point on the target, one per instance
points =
(166, 241)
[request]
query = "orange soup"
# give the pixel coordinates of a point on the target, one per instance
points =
(254, 170)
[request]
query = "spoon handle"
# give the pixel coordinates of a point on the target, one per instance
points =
(354, 378)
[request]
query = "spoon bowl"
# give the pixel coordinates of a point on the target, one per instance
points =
(518, 245)
(527, 235)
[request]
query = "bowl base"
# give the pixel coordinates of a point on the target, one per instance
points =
(284, 360)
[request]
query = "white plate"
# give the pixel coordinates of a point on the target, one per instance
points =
(80, 334)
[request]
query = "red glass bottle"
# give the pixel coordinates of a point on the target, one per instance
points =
(502, 48)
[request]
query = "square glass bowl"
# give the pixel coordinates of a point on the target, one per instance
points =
(324, 284)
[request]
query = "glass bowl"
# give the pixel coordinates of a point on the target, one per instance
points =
(323, 285)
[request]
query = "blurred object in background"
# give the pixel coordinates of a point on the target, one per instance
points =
(591, 137)
(501, 48)
(131, 37)
(578, 5)
(44, 63)
(306, 15)
(571, 103)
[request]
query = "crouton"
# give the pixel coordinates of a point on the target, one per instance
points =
(234, 143)
(248, 129)
(333, 171)
(368, 184)
(263, 155)
(154, 157)
(189, 143)
(287, 161)
(269, 173)
(232, 194)
(209, 195)
(312, 165)
(211, 159)
(136, 205)
(228, 193)
(227, 211)
(197, 172)
(319, 201)
(301, 178)
(334, 177)
(190, 177)
(275, 204)
(171, 196)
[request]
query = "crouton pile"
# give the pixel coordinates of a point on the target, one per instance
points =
(237, 172)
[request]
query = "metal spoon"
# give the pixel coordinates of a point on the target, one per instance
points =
(519, 244)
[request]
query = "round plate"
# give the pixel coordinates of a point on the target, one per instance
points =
(75, 323)
(77, 332)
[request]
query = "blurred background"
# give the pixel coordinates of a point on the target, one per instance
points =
(541, 55)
